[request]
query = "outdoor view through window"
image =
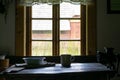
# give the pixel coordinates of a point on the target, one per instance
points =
(43, 29)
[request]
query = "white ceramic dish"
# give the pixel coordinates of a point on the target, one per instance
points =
(34, 61)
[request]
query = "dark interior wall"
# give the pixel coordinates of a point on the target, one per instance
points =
(108, 27)
(7, 30)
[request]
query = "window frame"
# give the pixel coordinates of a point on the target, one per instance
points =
(88, 31)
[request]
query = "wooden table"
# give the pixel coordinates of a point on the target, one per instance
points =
(77, 71)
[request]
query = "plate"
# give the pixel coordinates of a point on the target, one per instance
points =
(48, 64)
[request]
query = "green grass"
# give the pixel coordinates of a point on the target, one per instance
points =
(45, 48)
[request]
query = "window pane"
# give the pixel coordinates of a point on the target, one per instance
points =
(42, 11)
(70, 47)
(41, 48)
(70, 29)
(68, 10)
(42, 29)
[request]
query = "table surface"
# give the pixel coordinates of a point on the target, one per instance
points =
(77, 71)
(58, 69)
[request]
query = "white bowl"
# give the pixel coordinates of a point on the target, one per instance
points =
(34, 61)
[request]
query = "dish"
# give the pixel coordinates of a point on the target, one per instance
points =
(34, 61)
(47, 64)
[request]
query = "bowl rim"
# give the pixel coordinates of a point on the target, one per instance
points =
(34, 58)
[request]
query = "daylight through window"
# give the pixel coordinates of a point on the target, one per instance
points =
(56, 29)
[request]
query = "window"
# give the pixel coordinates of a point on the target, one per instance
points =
(56, 29)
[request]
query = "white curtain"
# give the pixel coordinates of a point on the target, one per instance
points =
(52, 2)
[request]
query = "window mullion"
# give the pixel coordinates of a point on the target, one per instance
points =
(58, 30)
(55, 30)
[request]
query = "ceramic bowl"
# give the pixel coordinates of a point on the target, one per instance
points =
(34, 61)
